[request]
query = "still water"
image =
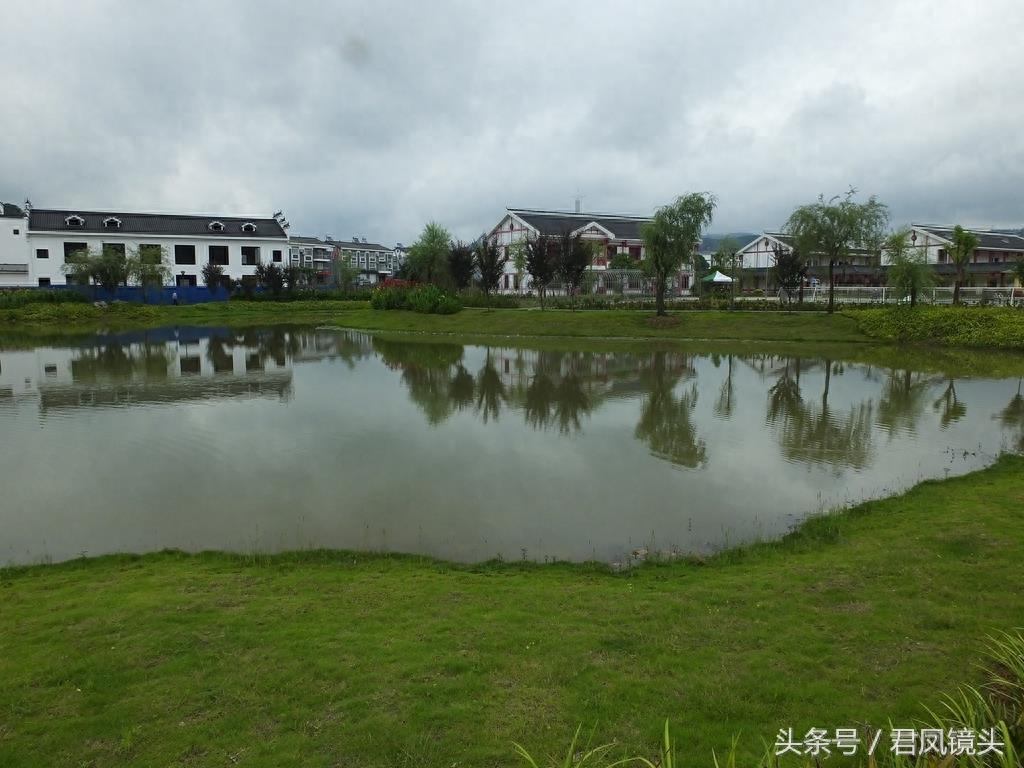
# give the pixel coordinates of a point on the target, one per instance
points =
(279, 439)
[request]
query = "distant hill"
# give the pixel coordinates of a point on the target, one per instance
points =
(710, 242)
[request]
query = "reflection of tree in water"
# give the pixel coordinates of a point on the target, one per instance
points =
(950, 406)
(666, 420)
(902, 402)
(120, 362)
(427, 370)
(813, 432)
(726, 394)
(1012, 416)
(557, 392)
(490, 391)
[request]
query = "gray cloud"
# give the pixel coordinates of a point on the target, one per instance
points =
(371, 119)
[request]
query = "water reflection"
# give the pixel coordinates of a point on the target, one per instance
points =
(363, 441)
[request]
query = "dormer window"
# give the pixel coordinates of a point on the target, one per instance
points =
(75, 221)
(248, 227)
(112, 222)
(216, 226)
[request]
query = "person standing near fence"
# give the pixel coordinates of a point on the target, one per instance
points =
(174, 298)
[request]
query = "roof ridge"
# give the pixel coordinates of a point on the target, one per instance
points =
(96, 212)
(580, 214)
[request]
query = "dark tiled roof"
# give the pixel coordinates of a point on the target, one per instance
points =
(11, 211)
(987, 240)
(358, 246)
(304, 240)
(190, 225)
(556, 223)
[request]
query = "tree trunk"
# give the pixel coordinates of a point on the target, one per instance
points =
(913, 297)
(956, 286)
(540, 292)
(659, 297)
(831, 285)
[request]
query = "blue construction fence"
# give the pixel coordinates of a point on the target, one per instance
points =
(185, 294)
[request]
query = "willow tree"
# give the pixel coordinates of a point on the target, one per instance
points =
(960, 250)
(672, 236)
(833, 229)
(909, 272)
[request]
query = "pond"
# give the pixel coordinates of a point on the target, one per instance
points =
(290, 438)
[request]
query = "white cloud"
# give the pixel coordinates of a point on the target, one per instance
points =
(371, 119)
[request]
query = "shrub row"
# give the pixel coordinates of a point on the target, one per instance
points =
(992, 327)
(302, 294)
(427, 299)
(22, 298)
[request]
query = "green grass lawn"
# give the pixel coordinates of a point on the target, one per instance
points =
(340, 659)
(774, 326)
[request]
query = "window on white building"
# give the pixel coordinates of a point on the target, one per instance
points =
(216, 226)
(75, 221)
(111, 222)
(248, 227)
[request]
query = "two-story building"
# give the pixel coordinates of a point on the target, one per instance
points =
(861, 267)
(990, 264)
(610, 234)
(312, 253)
(186, 241)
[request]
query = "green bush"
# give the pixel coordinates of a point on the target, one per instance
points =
(22, 298)
(473, 297)
(991, 327)
(306, 294)
(426, 299)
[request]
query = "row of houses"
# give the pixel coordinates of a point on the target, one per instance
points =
(990, 265)
(35, 244)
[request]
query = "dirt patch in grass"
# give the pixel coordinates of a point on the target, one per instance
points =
(662, 322)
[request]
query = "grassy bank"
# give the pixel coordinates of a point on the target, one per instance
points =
(344, 659)
(980, 328)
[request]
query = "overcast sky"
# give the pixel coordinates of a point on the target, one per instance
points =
(371, 118)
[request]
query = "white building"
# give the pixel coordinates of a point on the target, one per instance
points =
(14, 261)
(611, 234)
(187, 242)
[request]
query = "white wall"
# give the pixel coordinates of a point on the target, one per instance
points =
(14, 250)
(51, 267)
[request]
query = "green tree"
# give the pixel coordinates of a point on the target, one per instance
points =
(149, 267)
(672, 236)
(960, 252)
(110, 268)
(213, 276)
(834, 228)
(517, 255)
(345, 274)
(909, 272)
(429, 256)
(541, 262)
(460, 264)
(574, 255)
(790, 270)
(270, 277)
(489, 261)
(78, 266)
(621, 261)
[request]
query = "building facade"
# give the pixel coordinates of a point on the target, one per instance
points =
(312, 253)
(990, 264)
(611, 235)
(375, 262)
(186, 242)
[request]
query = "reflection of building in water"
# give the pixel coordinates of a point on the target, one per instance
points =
(164, 365)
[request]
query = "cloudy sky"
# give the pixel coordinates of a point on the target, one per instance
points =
(371, 118)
